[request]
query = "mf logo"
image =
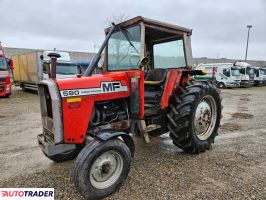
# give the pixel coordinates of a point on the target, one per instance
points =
(111, 86)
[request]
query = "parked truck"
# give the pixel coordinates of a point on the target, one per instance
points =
(263, 74)
(224, 74)
(247, 74)
(6, 67)
(259, 76)
(33, 67)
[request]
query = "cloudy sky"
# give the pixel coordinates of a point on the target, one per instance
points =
(219, 27)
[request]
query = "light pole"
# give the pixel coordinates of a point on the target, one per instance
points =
(249, 27)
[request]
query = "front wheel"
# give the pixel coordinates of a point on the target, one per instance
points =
(24, 89)
(101, 167)
(221, 85)
(194, 117)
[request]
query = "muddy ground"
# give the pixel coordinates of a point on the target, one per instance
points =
(235, 167)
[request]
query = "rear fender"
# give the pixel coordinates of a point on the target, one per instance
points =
(109, 135)
(171, 85)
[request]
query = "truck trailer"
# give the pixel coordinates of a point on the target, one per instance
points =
(33, 67)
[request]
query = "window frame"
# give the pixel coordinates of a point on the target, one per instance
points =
(175, 38)
(6, 63)
(140, 51)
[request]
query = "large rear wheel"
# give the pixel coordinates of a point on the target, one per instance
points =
(194, 117)
(101, 167)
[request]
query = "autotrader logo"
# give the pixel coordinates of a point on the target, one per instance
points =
(27, 193)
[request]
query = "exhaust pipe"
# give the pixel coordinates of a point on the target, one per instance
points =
(53, 57)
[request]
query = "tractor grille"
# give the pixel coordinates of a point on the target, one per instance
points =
(48, 130)
(2, 80)
(2, 88)
(47, 114)
(50, 102)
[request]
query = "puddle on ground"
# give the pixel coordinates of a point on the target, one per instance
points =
(240, 115)
(244, 99)
(243, 109)
(230, 127)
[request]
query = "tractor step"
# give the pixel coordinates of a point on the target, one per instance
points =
(151, 127)
(146, 129)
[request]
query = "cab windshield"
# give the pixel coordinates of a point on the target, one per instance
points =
(3, 64)
(66, 68)
(235, 72)
(124, 49)
(250, 71)
(263, 71)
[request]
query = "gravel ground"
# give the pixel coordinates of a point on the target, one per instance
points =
(235, 167)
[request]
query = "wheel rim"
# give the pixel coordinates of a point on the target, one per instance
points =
(106, 169)
(205, 117)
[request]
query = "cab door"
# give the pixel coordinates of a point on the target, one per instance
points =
(136, 102)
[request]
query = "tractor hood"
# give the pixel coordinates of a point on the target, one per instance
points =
(94, 85)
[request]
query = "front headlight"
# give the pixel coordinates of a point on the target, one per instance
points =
(8, 87)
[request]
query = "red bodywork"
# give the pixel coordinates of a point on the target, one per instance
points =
(76, 117)
(77, 110)
(5, 80)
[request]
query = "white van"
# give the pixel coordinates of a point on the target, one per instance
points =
(263, 74)
(225, 74)
(260, 76)
(247, 73)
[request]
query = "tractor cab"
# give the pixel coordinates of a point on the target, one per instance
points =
(166, 49)
(165, 46)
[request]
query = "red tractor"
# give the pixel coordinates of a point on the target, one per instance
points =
(145, 89)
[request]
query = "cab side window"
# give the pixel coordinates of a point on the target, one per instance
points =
(242, 70)
(226, 72)
(45, 67)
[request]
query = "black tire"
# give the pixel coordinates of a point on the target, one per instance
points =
(69, 155)
(181, 116)
(221, 85)
(24, 89)
(87, 158)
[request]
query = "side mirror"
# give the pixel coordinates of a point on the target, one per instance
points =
(99, 67)
(143, 63)
(10, 63)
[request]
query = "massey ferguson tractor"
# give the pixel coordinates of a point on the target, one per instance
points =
(145, 89)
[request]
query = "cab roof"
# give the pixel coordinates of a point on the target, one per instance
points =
(154, 24)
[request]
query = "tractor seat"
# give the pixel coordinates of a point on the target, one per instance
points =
(156, 77)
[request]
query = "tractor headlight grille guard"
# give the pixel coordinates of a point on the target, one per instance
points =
(51, 110)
